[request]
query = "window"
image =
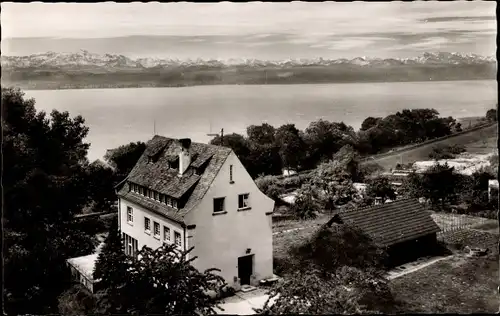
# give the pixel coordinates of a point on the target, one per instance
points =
(162, 198)
(166, 234)
(243, 201)
(130, 215)
(218, 205)
(141, 191)
(130, 245)
(156, 196)
(169, 201)
(178, 240)
(147, 225)
(150, 194)
(174, 203)
(231, 174)
(156, 228)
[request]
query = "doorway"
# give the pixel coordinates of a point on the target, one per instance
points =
(245, 269)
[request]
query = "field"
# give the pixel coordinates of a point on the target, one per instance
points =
(457, 285)
(478, 141)
(460, 284)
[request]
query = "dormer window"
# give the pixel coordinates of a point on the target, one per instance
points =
(174, 203)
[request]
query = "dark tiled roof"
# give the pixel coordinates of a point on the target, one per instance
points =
(392, 223)
(152, 171)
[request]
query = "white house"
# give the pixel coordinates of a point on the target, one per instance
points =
(201, 196)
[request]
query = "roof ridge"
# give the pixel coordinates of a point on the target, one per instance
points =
(376, 206)
(192, 143)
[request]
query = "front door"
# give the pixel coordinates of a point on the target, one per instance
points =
(245, 269)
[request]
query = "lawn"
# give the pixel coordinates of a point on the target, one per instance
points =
(460, 284)
(296, 223)
(472, 141)
(282, 243)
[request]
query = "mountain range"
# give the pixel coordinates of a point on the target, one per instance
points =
(84, 69)
(84, 58)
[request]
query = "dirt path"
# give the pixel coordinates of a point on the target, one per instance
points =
(409, 268)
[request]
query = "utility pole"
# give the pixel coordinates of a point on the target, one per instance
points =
(154, 127)
(221, 134)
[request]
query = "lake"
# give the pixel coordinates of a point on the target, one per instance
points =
(119, 116)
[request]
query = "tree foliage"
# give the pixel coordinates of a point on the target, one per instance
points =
(101, 186)
(339, 272)
(45, 185)
(163, 281)
(380, 187)
(124, 158)
(325, 138)
(491, 115)
(291, 146)
(76, 301)
(446, 151)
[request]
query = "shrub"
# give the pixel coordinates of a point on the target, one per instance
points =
(446, 151)
(305, 207)
(76, 301)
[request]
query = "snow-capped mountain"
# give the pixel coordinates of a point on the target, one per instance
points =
(85, 59)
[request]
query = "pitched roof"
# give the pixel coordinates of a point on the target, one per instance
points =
(391, 223)
(152, 171)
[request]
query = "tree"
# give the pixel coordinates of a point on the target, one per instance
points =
(235, 141)
(491, 115)
(370, 122)
(111, 269)
(324, 138)
(124, 158)
(305, 205)
(101, 186)
(261, 134)
(476, 193)
(380, 187)
(163, 281)
(45, 185)
(412, 186)
(291, 146)
(441, 185)
(332, 184)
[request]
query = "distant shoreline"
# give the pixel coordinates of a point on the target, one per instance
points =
(27, 87)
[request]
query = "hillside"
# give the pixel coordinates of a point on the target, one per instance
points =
(485, 137)
(87, 70)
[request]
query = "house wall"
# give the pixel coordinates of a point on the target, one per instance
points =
(412, 249)
(136, 230)
(219, 239)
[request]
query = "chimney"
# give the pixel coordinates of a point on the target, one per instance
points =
(184, 156)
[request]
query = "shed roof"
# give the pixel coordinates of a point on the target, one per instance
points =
(391, 223)
(152, 171)
(85, 265)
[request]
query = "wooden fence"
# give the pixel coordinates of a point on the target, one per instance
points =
(455, 222)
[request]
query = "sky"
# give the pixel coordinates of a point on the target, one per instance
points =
(251, 30)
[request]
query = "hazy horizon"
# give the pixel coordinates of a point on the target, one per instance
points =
(268, 31)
